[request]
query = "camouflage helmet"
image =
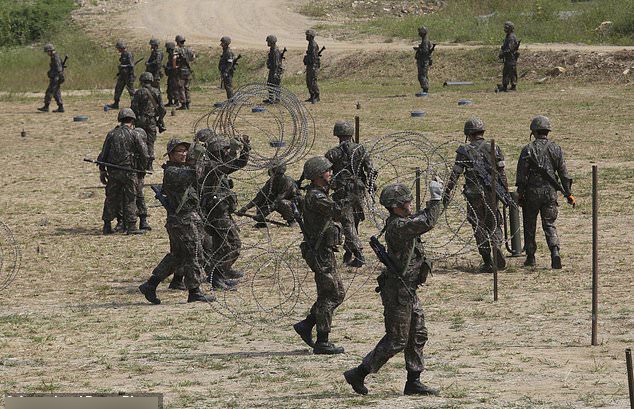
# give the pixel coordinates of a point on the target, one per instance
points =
(154, 42)
(540, 123)
(179, 39)
(169, 45)
(225, 40)
(473, 126)
(315, 167)
(120, 44)
(395, 195)
(49, 47)
(125, 113)
(218, 144)
(271, 39)
(205, 134)
(343, 128)
(146, 77)
(508, 25)
(422, 31)
(173, 143)
(277, 168)
(311, 33)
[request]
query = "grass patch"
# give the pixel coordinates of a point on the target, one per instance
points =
(22, 22)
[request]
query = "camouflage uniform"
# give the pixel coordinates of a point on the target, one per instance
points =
(274, 65)
(184, 57)
(423, 59)
(148, 107)
(153, 65)
(125, 76)
(312, 63)
(226, 66)
(140, 181)
(56, 79)
(509, 53)
(170, 72)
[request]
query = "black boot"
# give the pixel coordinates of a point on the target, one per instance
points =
(413, 386)
(347, 257)
(107, 228)
(120, 226)
(225, 284)
(501, 260)
(356, 377)
(114, 105)
(323, 347)
(177, 283)
(315, 99)
(487, 262)
(44, 108)
(143, 225)
(148, 289)
(196, 294)
(305, 330)
(530, 260)
(358, 260)
(233, 274)
(60, 108)
(555, 258)
(131, 229)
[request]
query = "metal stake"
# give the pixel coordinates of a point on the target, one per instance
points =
(630, 377)
(595, 253)
(356, 129)
(494, 209)
(417, 189)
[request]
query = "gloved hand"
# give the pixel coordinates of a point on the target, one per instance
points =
(243, 210)
(436, 187)
(571, 200)
(103, 177)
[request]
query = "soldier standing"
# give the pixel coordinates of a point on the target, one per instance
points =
(321, 238)
(277, 194)
(148, 107)
(184, 57)
(55, 80)
(352, 168)
(403, 315)
(274, 65)
(227, 65)
(170, 72)
(474, 160)
(184, 227)
(537, 186)
(509, 54)
(312, 63)
(154, 63)
(423, 59)
(123, 147)
(125, 75)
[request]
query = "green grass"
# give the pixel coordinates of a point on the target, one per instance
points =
(22, 22)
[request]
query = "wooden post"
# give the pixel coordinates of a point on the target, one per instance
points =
(417, 189)
(494, 209)
(595, 253)
(630, 377)
(356, 129)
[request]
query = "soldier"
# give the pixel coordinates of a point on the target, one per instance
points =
(123, 147)
(184, 227)
(474, 160)
(148, 107)
(170, 72)
(184, 57)
(218, 203)
(321, 238)
(403, 315)
(353, 171)
(537, 187)
(423, 59)
(154, 63)
(312, 63)
(277, 194)
(274, 64)
(55, 80)
(227, 65)
(509, 54)
(125, 75)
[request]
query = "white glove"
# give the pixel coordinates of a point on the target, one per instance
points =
(436, 187)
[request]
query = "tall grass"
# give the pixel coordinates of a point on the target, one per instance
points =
(22, 22)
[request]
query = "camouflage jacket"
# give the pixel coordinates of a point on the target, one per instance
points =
(424, 51)
(509, 48)
(351, 168)
(180, 188)
(476, 153)
(153, 64)
(225, 65)
(319, 213)
(126, 63)
(124, 147)
(147, 105)
(184, 57)
(278, 187)
(56, 68)
(312, 58)
(539, 157)
(170, 71)
(274, 60)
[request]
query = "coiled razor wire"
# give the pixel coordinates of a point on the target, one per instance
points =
(10, 256)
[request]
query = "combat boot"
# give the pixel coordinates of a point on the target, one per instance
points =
(347, 257)
(356, 378)
(114, 105)
(177, 283)
(131, 229)
(487, 262)
(223, 284)
(323, 347)
(107, 228)
(413, 386)
(358, 261)
(513, 87)
(315, 99)
(304, 329)
(182, 107)
(233, 274)
(555, 258)
(120, 226)
(530, 260)
(500, 259)
(148, 289)
(143, 224)
(170, 103)
(44, 108)
(60, 109)
(195, 294)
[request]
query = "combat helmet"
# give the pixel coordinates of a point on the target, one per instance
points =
(509, 26)
(49, 47)
(146, 77)
(120, 44)
(205, 134)
(125, 113)
(315, 167)
(343, 128)
(395, 195)
(154, 42)
(271, 39)
(540, 123)
(173, 143)
(179, 39)
(169, 45)
(311, 33)
(217, 144)
(225, 40)
(422, 31)
(473, 126)
(277, 168)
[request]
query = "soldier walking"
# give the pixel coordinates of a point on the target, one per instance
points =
(170, 72)
(274, 65)
(154, 64)
(125, 148)
(312, 61)
(150, 112)
(403, 314)
(423, 59)
(474, 160)
(184, 227)
(353, 171)
(321, 238)
(125, 74)
(227, 65)
(55, 80)
(539, 165)
(184, 57)
(509, 54)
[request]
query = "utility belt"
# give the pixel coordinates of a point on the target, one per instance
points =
(329, 238)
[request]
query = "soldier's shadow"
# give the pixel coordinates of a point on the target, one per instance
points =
(76, 231)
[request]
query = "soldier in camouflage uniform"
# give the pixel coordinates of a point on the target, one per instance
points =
(423, 59)
(274, 65)
(321, 238)
(55, 80)
(277, 194)
(403, 315)
(184, 57)
(148, 107)
(122, 147)
(141, 207)
(509, 55)
(486, 223)
(226, 65)
(170, 72)
(540, 162)
(312, 63)
(353, 172)
(125, 75)
(184, 227)
(153, 65)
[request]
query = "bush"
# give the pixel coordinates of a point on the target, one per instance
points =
(23, 22)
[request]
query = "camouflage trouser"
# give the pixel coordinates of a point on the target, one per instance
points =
(349, 228)
(283, 207)
(544, 202)
(123, 81)
(404, 330)
(227, 82)
(311, 81)
(423, 71)
(53, 91)
(186, 253)
(486, 224)
(274, 80)
(509, 74)
(225, 241)
(140, 198)
(120, 196)
(184, 79)
(330, 289)
(149, 126)
(172, 88)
